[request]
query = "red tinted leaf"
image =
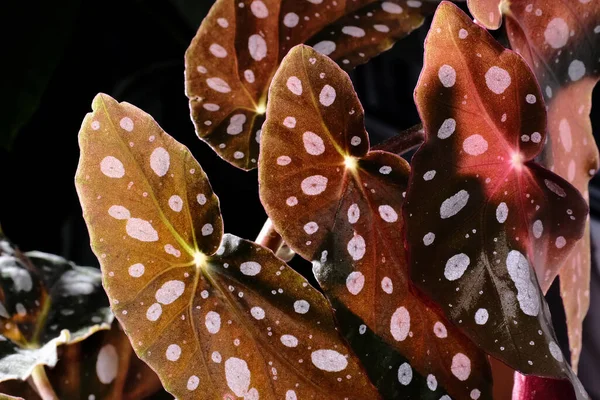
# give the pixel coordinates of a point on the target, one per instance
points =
(560, 44)
(488, 12)
(339, 204)
(240, 44)
(213, 322)
(491, 216)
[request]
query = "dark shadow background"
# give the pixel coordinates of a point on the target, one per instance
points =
(65, 52)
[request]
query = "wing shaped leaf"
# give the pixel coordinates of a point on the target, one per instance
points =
(565, 60)
(45, 301)
(339, 205)
(536, 388)
(232, 59)
(213, 315)
(498, 216)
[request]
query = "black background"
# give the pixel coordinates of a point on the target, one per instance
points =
(133, 50)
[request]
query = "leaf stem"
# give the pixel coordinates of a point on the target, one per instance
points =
(403, 142)
(42, 385)
(269, 238)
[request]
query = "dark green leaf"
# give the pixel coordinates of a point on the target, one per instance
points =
(45, 301)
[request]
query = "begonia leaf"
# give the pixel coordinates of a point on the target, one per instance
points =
(560, 41)
(339, 205)
(214, 315)
(238, 47)
(491, 216)
(45, 301)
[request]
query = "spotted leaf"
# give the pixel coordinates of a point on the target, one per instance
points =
(213, 315)
(45, 301)
(560, 42)
(339, 205)
(232, 59)
(497, 216)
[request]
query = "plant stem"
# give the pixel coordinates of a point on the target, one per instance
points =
(269, 238)
(41, 383)
(403, 142)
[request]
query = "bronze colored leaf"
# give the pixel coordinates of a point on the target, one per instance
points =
(45, 301)
(560, 42)
(339, 205)
(489, 12)
(232, 59)
(495, 216)
(214, 315)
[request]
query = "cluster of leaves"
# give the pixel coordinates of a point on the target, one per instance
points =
(418, 286)
(55, 314)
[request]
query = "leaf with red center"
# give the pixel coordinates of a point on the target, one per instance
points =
(491, 216)
(560, 44)
(45, 301)
(232, 59)
(213, 315)
(339, 205)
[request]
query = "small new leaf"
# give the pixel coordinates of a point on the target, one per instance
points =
(496, 216)
(214, 315)
(45, 301)
(339, 205)
(560, 42)
(232, 59)
(489, 12)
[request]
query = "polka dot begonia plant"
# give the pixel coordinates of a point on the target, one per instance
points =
(425, 270)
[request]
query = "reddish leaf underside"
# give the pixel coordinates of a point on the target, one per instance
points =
(560, 41)
(536, 388)
(215, 316)
(491, 216)
(232, 59)
(339, 205)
